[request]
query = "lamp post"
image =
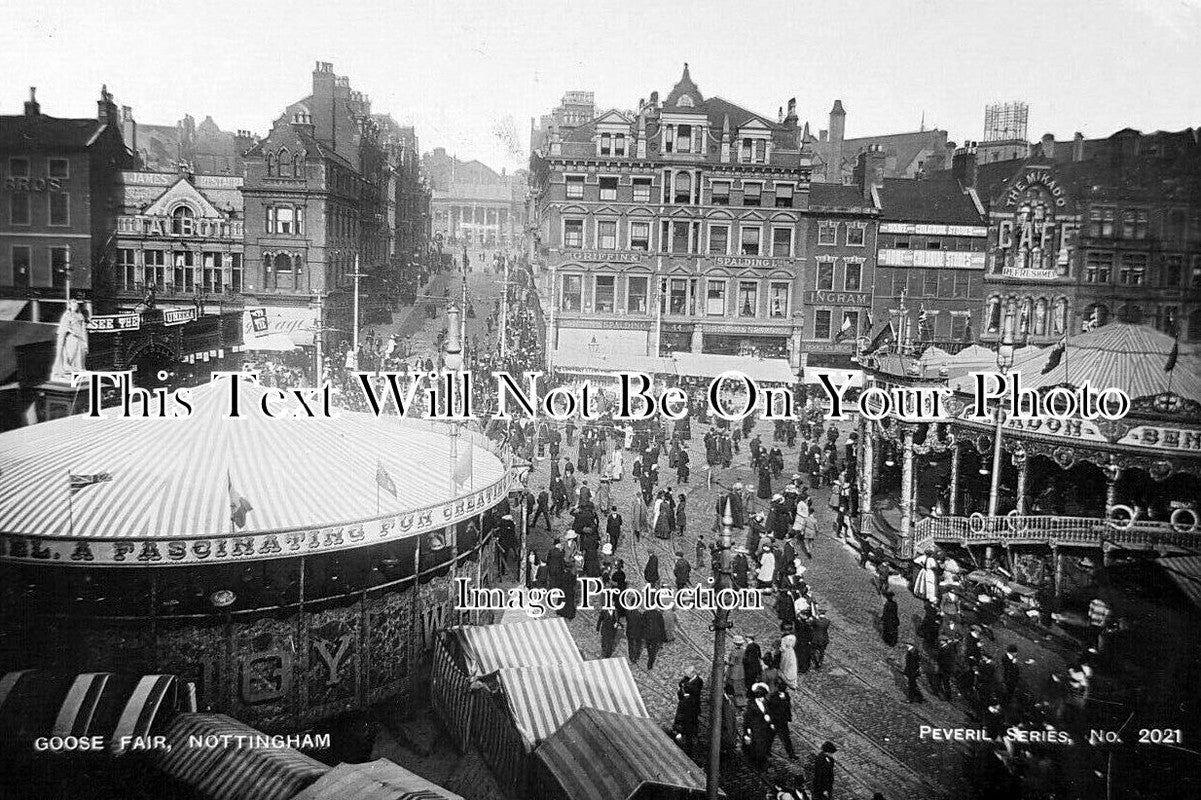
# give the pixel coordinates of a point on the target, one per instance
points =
(452, 360)
(1004, 362)
(722, 579)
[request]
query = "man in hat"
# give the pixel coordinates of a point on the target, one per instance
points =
(687, 722)
(823, 772)
(752, 662)
(607, 623)
(735, 675)
(779, 706)
(634, 619)
(806, 528)
(757, 727)
(682, 570)
(820, 638)
(542, 510)
(654, 632)
(912, 670)
(890, 619)
(613, 527)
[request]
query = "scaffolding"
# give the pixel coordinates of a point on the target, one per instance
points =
(1005, 122)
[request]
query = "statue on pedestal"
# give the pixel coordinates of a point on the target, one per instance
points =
(70, 344)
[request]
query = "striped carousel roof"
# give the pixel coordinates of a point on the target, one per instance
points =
(167, 478)
(1129, 357)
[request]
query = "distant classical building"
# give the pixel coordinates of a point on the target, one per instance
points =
(204, 148)
(905, 155)
(472, 204)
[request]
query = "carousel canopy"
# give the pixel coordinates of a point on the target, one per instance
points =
(1133, 358)
(279, 485)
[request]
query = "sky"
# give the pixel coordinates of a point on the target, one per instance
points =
(470, 75)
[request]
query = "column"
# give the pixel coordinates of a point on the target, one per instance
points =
(1112, 473)
(867, 471)
(907, 492)
(1022, 463)
(954, 504)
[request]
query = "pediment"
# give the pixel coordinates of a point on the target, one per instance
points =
(753, 216)
(182, 192)
(608, 211)
(753, 125)
(573, 209)
(613, 118)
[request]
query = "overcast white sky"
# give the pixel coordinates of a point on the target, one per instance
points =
(471, 74)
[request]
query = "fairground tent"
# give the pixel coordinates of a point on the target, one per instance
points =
(375, 780)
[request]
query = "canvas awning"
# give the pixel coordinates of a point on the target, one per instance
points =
(11, 309)
(35, 703)
(539, 642)
(230, 772)
(710, 365)
(375, 780)
(541, 699)
(599, 755)
(574, 361)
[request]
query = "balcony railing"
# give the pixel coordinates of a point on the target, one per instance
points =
(1070, 531)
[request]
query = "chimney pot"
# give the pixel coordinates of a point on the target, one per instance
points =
(32, 107)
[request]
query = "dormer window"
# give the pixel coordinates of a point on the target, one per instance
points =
(683, 138)
(685, 101)
(606, 144)
(619, 144)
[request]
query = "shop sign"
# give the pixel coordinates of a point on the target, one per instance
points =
(178, 316)
(822, 297)
(949, 259)
(978, 231)
(1037, 178)
(1064, 428)
(108, 323)
(609, 324)
(1163, 438)
(232, 548)
(183, 228)
(606, 256)
(1030, 274)
(743, 262)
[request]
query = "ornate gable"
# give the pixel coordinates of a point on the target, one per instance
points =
(183, 193)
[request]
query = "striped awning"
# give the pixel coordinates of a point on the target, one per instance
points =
(710, 365)
(36, 703)
(219, 771)
(539, 642)
(376, 780)
(541, 699)
(171, 479)
(598, 755)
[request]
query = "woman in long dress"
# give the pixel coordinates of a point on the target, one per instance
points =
(925, 585)
(788, 661)
(767, 569)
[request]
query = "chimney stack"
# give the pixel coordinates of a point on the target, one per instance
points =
(791, 118)
(32, 107)
(963, 165)
(1078, 147)
(1048, 145)
(838, 122)
(869, 172)
(106, 109)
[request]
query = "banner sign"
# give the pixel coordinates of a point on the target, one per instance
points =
(167, 551)
(178, 316)
(108, 323)
(258, 320)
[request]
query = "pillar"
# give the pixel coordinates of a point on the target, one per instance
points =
(1022, 463)
(954, 509)
(867, 471)
(907, 493)
(1112, 473)
(1057, 560)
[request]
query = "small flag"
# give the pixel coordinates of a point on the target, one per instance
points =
(845, 330)
(463, 463)
(1056, 355)
(83, 481)
(1172, 356)
(924, 331)
(886, 336)
(239, 507)
(383, 479)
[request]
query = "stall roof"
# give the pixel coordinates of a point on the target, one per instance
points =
(1185, 572)
(36, 703)
(599, 755)
(710, 365)
(571, 360)
(375, 780)
(541, 699)
(232, 772)
(539, 642)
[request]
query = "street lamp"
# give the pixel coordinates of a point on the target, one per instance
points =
(722, 579)
(1004, 362)
(453, 357)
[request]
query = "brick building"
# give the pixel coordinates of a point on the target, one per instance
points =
(1084, 233)
(678, 228)
(904, 155)
(204, 148)
(315, 198)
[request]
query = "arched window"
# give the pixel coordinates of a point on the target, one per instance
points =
(181, 221)
(683, 187)
(1025, 311)
(1040, 317)
(993, 314)
(283, 263)
(270, 158)
(285, 163)
(297, 169)
(1059, 317)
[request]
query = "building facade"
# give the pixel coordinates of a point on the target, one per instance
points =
(316, 204)
(473, 205)
(1080, 236)
(205, 149)
(679, 228)
(904, 155)
(57, 223)
(930, 260)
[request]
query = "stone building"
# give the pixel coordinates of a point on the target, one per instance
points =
(680, 227)
(473, 205)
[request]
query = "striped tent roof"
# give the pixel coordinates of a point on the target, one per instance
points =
(1129, 357)
(541, 699)
(172, 477)
(539, 642)
(598, 755)
(377, 780)
(230, 772)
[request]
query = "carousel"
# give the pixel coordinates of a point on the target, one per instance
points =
(289, 570)
(1047, 501)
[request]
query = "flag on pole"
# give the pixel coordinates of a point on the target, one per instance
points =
(79, 482)
(886, 336)
(924, 332)
(383, 479)
(845, 330)
(1056, 355)
(239, 506)
(1172, 356)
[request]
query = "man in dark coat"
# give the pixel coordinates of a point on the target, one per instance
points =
(556, 565)
(741, 569)
(606, 623)
(654, 632)
(682, 570)
(543, 509)
(820, 638)
(634, 619)
(890, 620)
(651, 570)
(752, 663)
(779, 706)
(613, 527)
(804, 643)
(1011, 674)
(756, 727)
(823, 772)
(689, 695)
(912, 669)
